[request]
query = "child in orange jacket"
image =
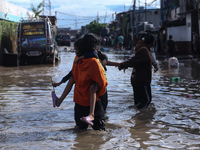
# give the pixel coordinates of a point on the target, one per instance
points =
(84, 73)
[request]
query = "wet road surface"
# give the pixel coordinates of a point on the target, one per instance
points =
(29, 121)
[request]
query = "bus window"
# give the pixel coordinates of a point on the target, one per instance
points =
(33, 29)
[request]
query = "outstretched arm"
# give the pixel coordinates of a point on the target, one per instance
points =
(86, 55)
(64, 79)
(77, 59)
(154, 63)
(55, 84)
(66, 91)
(111, 63)
(142, 56)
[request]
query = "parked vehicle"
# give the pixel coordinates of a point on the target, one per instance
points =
(65, 39)
(36, 41)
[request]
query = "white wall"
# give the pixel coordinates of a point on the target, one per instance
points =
(181, 33)
(11, 12)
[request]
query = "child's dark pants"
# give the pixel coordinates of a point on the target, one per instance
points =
(99, 120)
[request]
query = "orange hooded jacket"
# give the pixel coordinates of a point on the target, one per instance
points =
(86, 71)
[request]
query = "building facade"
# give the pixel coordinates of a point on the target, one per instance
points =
(14, 13)
(179, 18)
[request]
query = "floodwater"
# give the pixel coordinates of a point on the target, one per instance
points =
(29, 121)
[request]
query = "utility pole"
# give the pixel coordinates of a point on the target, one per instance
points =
(145, 10)
(97, 17)
(133, 21)
(197, 5)
(139, 12)
(76, 23)
(105, 17)
(46, 4)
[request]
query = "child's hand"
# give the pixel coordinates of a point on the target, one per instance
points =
(104, 62)
(119, 67)
(76, 60)
(155, 68)
(55, 84)
(79, 58)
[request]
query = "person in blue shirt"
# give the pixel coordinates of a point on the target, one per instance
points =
(121, 40)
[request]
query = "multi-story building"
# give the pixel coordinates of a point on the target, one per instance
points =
(179, 18)
(126, 21)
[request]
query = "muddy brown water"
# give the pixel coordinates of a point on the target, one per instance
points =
(29, 121)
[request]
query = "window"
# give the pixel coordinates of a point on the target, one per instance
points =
(66, 37)
(33, 29)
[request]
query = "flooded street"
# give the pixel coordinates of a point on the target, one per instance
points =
(29, 121)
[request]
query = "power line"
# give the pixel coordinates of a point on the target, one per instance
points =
(148, 4)
(71, 19)
(74, 23)
(82, 16)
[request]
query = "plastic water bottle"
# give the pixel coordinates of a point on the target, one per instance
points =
(176, 79)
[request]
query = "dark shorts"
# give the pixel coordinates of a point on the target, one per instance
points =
(120, 44)
(171, 53)
(196, 48)
(99, 120)
(142, 96)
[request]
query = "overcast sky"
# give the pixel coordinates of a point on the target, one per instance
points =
(77, 13)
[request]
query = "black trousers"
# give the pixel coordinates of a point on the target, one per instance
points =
(104, 100)
(99, 120)
(142, 96)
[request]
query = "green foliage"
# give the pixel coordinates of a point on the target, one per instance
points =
(37, 10)
(95, 27)
(126, 21)
(8, 36)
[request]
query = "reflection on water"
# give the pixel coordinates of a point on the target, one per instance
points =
(29, 121)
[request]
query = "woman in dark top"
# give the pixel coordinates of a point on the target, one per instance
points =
(142, 71)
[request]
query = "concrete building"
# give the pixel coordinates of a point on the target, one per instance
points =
(147, 15)
(126, 21)
(179, 18)
(14, 13)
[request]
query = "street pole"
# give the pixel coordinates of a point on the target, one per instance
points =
(198, 17)
(97, 17)
(139, 12)
(76, 23)
(105, 17)
(145, 10)
(133, 22)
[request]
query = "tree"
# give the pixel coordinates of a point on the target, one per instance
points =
(95, 27)
(37, 10)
